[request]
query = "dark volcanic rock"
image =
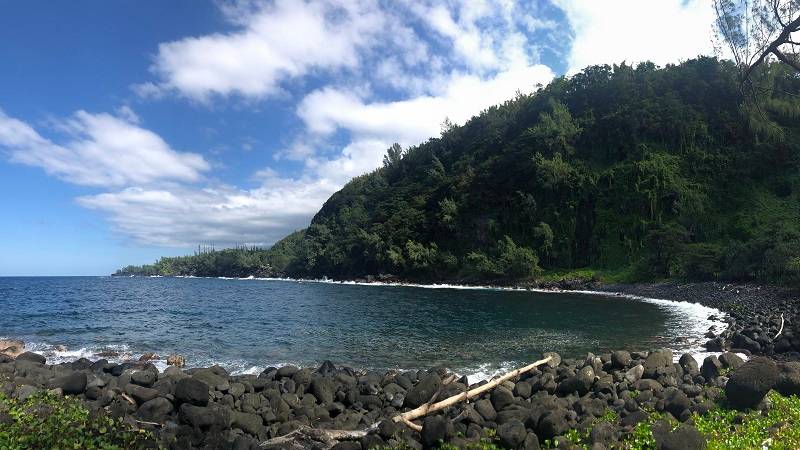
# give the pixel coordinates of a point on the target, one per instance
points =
(435, 429)
(620, 359)
(144, 378)
(658, 362)
(749, 383)
(501, 397)
(711, 367)
(684, 437)
(155, 410)
(511, 434)
(33, 357)
(788, 378)
(191, 390)
(730, 360)
(423, 390)
(71, 384)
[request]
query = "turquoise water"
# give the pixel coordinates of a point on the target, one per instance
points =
(246, 325)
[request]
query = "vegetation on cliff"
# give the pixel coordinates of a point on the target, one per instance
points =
(656, 172)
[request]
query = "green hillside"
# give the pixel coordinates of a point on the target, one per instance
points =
(652, 172)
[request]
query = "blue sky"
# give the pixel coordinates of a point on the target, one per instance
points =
(131, 130)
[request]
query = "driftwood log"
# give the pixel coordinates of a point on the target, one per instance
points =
(306, 437)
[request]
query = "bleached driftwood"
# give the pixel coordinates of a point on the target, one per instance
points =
(780, 330)
(307, 437)
(429, 408)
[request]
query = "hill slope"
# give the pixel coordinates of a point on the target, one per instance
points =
(652, 172)
(660, 171)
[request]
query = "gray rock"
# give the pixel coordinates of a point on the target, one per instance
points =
(511, 434)
(155, 410)
(689, 364)
(423, 390)
(486, 410)
(436, 429)
(620, 359)
(603, 433)
(144, 378)
(501, 397)
(676, 401)
(553, 423)
(748, 384)
(788, 379)
(658, 362)
(555, 359)
(730, 360)
(711, 367)
(204, 416)
(71, 384)
(523, 389)
(323, 390)
(247, 422)
(32, 357)
(684, 437)
(140, 393)
(191, 390)
(634, 374)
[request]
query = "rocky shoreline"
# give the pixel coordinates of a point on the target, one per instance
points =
(601, 397)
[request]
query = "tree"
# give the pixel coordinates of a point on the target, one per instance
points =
(757, 30)
(393, 155)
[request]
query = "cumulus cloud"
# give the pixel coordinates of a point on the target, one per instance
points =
(274, 42)
(180, 216)
(100, 150)
(661, 31)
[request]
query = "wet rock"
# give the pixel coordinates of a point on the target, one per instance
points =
(748, 384)
(12, 347)
(176, 360)
(149, 356)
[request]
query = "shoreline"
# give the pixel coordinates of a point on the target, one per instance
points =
(616, 392)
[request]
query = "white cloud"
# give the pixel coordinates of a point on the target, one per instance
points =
(179, 216)
(274, 42)
(416, 119)
(100, 150)
(661, 31)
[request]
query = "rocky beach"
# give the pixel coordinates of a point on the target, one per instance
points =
(597, 401)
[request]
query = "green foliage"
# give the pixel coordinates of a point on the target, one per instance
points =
(48, 421)
(643, 171)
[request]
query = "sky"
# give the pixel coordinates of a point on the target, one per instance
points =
(131, 130)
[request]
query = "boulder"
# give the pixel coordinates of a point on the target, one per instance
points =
(730, 360)
(140, 393)
(323, 389)
(658, 362)
(711, 367)
(788, 378)
(689, 364)
(634, 374)
(155, 410)
(32, 357)
(486, 410)
(12, 347)
(423, 390)
(620, 359)
(436, 429)
(144, 378)
(501, 397)
(676, 401)
(204, 416)
(742, 341)
(511, 434)
(71, 384)
(191, 390)
(176, 360)
(149, 356)
(247, 422)
(684, 437)
(748, 384)
(553, 423)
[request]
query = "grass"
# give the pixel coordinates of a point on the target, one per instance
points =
(620, 275)
(45, 420)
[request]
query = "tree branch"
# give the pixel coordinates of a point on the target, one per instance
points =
(784, 59)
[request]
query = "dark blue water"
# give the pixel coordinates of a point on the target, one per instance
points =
(250, 324)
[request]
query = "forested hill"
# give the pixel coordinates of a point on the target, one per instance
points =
(651, 172)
